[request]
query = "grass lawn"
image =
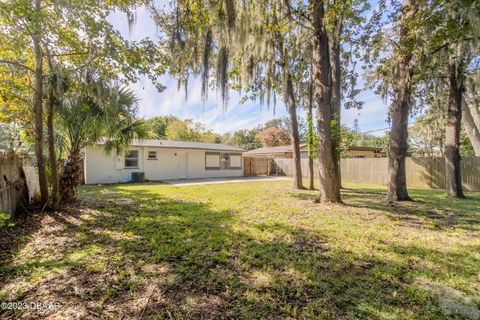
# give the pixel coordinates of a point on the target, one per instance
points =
(246, 251)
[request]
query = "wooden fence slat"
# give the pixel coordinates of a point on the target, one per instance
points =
(258, 166)
(421, 172)
(12, 182)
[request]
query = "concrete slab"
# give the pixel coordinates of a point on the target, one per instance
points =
(204, 181)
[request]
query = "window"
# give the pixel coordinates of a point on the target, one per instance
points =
(212, 160)
(152, 155)
(131, 159)
(224, 161)
(235, 161)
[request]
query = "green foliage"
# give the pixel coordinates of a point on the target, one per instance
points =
(75, 33)
(355, 138)
(95, 111)
(427, 134)
(3, 218)
(248, 139)
(13, 138)
(157, 126)
(244, 138)
(73, 36)
(336, 137)
(184, 130)
(466, 148)
(312, 141)
(284, 124)
(173, 128)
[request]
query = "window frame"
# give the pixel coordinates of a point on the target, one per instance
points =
(152, 151)
(207, 153)
(230, 161)
(223, 161)
(137, 158)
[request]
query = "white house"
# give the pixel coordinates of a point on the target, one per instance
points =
(162, 160)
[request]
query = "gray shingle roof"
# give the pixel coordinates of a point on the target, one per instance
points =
(270, 150)
(183, 145)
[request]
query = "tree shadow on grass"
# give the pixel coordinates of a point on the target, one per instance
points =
(136, 253)
(432, 209)
(221, 268)
(449, 277)
(14, 236)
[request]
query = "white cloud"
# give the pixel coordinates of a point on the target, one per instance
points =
(172, 101)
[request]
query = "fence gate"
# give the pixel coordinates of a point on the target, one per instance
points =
(259, 166)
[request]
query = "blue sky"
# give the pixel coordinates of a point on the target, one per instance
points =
(238, 115)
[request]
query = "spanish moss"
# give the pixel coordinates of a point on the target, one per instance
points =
(207, 51)
(222, 75)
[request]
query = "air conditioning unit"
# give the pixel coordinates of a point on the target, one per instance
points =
(138, 176)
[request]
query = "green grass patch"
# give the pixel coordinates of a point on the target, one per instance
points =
(4, 217)
(257, 250)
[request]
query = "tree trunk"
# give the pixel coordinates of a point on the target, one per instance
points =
(71, 175)
(329, 190)
(289, 97)
(397, 178)
(51, 149)
(453, 177)
(292, 112)
(336, 96)
(471, 128)
(311, 184)
(50, 129)
(38, 121)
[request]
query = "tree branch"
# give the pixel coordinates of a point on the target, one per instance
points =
(291, 12)
(68, 54)
(445, 45)
(17, 64)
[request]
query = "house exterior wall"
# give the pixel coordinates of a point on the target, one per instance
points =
(360, 153)
(171, 163)
(365, 154)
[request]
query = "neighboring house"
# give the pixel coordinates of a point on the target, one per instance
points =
(286, 152)
(365, 152)
(162, 160)
(270, 152)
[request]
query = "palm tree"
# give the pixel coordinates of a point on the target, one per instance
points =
(96, 111)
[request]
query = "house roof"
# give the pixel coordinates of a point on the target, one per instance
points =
(365, 148)
(183, 145)
(269, 150)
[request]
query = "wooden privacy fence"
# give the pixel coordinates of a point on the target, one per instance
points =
(421, 172)
(259, 166)
(17, 183)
